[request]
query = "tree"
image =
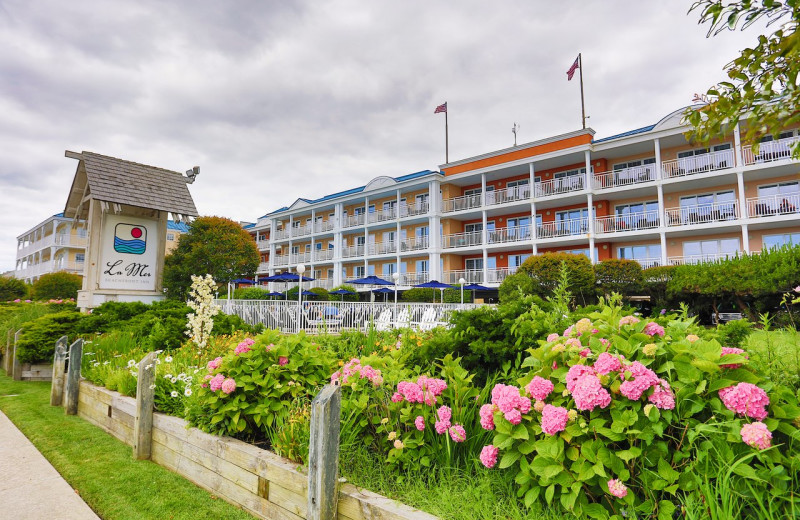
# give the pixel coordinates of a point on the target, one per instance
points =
(213, 245)
(12, 288)
(763, 80)
(52, 286)
(618, 275)
(545, 272)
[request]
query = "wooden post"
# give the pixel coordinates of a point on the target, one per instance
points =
(16, 368)
(73, 377)
(59, 362)
(323, 454)
(9, 354)
(145, 395)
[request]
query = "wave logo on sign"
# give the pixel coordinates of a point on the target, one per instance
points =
(130, 239)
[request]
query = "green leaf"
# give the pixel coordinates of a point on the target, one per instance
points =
(630, 453)
(548, 493)
(520, 431)
(665, 510)
(596, 511)
(527, 447)
(509, 458)
(666, 471)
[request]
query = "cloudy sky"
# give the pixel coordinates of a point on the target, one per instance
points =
(276, 100)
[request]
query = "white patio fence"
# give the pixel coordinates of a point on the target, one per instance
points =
(333, 316)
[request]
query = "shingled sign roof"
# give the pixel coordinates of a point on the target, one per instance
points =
(113, 180)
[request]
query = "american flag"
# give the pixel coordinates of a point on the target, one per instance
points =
(573, 68)
(441, 108)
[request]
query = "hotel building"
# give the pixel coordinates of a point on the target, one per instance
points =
(648, 195)
(59, 244)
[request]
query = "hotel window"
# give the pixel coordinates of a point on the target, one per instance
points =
(641, 170)
(296, 224)
(645, 252)
(359, 211)
(330, 245)
(708, 207)
(371, 270)
(573, 222)
(330, 274)
(780, 240)
(389, 269)
(317, 273)
(421, 266)
(519, 227)
(318, 246)
(295, 250)
(514, 261)
(308, 248)
(389, 206)
(80, 257)
(782, 135)
(422, 201)
(170, 236)
(358, 271)
(371, 208)
(698, 250)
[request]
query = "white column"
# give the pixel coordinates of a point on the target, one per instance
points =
(737, 146)
(591, 220)
(662, 214)
(659, 169)
(366, 236)
(397, 240)
(337, 243)
(535, 247)
(434, 229)
(484, 231)
(311, 259)
(743, 212)
(291, 236)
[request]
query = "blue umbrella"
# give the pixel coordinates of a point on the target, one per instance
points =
(434, 284)
(275, 294)
(286, 277)
(476, 287)
(341, 292)
(242, 280)
(309, 293)
(384, 291)
(371, 280)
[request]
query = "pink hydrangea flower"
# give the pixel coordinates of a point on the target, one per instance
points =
(745, 399)
(283, 360)
(444, 413)
(554, 419)
(432, 385)
(372, 375)
(228, 386)
(552, 337)
(539, 388)
(457, 433)
(617, 488)
(653, 329)
(214, 364)
(514, 416)
(605, 342)
(269, 347)
(585, 353)
(643, 379)
(335, 376)
(506, 397)
(574, 342)
(756, 435)
(489, 456)
(583, 325)
(419, 422)
(588, 393)
(524, 405)
(662, 396)
(441, 426)
(487, 416)
(241, 348)
(568, 330)
(216, 382)
(575, 373)
(204, 384)
(397, 397)
(628, 320)
(733, 350)
(410, 391)
(607, 363)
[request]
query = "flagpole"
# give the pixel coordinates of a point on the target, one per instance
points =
(583, 110)
(446, 141)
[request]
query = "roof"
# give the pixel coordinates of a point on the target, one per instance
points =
(626, 134)
(177, 226)
(352, 191)
(118, 181)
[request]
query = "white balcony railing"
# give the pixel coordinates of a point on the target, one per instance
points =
(263, 267)
(630, 222)
(702, 213)
(511, 194)
(62, 239)
(414, 278)
(648, 262)
(576, 226)
(280, 234)
(323, 255)
(473, 238)
(411, 210)
(469, 276)
(773, 205)
(301, 231)
(382, 248)
(281, 260)
(698, 164)
(560, 185)
(461, 203)
(415, 243)
(382, 215)
(300, 258)
(697, 259)
(769, 151)
(509, 234)
(353, 251)
(262, 245)
(354, 220)
(322, 226)
(625, 177)
(498, 275)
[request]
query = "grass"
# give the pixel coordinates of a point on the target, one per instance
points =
(474, 493)
(777, 353)
(101, 468)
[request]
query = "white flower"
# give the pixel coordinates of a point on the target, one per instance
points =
(167, 376)
(173, 380)
(152, 387)
(131, 363)
(168, 359)
(187, 392)
(158, 361)
(148, 367)
(117, 355)
(96, 364)
(201, 301)
(106, 362)
(197, 370)
(174, 393)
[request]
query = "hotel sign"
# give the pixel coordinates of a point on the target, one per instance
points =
(128, 253)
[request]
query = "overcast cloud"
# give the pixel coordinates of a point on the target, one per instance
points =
(279, 100)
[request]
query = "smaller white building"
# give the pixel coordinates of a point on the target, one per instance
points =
(55, 244)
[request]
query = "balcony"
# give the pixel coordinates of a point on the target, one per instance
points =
(262, 245)
(469, 275)
(561, 185)
(512, 194)
(415, 243)
(412, 210)
(697, 259)
(413, 278)
(63, 239)
(695, 164)
(383, 248)
(563, 228)
(702, 213)
(773, 205)
(300, 258)
(354, 220)
(301, 231)
(281, 234)
(382, 215)
(630, 222)
(624, 177)
(323, 255)
(281, 260)
(324, 283)
(509, 234)
(461, 203)
(769, 151)
(323, 226)
(646, 263)
(473, 238)
(353, 251)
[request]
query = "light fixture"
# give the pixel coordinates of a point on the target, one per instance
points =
(192, 174)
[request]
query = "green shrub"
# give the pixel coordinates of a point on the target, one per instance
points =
(618, 276)
(251, 293)
(347, 297)
(515, 286)
(654, 282)
(12, 288)
(734, 333)
(545, 272)
(421, 294)
(60, 285)
(38, 340)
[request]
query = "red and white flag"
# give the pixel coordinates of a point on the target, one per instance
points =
(441, 108)
(575, 66)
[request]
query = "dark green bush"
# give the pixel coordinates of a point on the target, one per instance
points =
(654, 283)
(420, 294)
(38, 340)
(12, 288)
(347, 297)
(60, 285)
(110, 316)
(515, 286)
(250, 293)
(734, 333)
(619, 276)
(545, 272)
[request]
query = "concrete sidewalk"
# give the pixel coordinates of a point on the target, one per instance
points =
(31, 488)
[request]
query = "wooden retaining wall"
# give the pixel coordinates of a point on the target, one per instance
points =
(257, 480)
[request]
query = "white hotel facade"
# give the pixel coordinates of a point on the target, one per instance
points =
(649, 195)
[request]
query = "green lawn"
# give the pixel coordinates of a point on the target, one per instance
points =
(778, 353)
(101, 468)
